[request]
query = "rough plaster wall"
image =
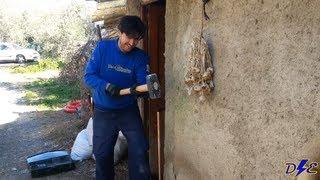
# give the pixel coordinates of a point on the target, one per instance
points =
(264, 111)
(133, 7)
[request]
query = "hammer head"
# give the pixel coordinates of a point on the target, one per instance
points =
(153, 86)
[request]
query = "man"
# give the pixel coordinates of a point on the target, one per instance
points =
(114, 65)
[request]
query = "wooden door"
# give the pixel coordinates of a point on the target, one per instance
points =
(154, 110)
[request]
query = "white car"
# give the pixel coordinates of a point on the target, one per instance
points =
(15, 53)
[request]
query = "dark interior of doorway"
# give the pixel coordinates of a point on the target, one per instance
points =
(154, 110)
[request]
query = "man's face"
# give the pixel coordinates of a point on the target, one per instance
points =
(127, 43)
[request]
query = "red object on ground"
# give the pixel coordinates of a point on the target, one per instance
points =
(72, 106)
(68, 110)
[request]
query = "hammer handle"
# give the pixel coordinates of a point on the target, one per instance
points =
(141, 88)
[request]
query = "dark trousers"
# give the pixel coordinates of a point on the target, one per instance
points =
(106, 125)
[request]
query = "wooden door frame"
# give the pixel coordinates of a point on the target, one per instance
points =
(153, 16)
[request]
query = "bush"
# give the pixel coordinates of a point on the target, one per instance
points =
(55, 34)
(42, 65)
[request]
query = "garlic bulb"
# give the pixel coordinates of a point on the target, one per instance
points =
(199, 76)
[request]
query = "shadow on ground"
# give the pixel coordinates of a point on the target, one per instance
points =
(9, 86)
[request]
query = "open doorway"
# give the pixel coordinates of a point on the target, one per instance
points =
(154, 110)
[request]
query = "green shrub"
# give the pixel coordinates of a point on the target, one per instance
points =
(41, 65)
(55, 33)
(50, 93)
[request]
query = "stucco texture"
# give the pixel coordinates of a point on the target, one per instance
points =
(133, 7)
(264, 110)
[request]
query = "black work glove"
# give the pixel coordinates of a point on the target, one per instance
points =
(136, 93)
(144, 95)
(112, 89)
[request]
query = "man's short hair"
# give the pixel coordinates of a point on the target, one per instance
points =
(132, 26)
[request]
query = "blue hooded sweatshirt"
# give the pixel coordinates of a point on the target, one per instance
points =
(108, 64)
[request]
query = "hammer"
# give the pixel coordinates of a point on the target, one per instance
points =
(152, 86)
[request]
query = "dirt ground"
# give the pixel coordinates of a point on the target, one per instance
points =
(24, 131)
